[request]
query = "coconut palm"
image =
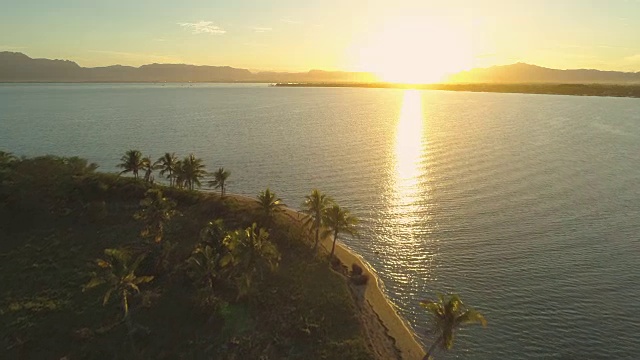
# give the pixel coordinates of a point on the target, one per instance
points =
(155, 211)
(178, 175)
(213, 234)
(251, 253)
(191, 171)
(211, 255)
(269, 205)
(148, 166)
(204, 266)
(167, 164)
(448, 313)
(118, 273)
(338, 220)
(314, 206)
(219, 179)
(131, 162)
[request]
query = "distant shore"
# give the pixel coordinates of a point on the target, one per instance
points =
(606, 90)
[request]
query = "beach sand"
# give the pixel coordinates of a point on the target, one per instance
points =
(388, 333)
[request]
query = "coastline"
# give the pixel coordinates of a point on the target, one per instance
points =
(395, 326)
(631, 90)
(388, 333)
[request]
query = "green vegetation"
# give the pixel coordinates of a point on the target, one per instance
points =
(118, 274)
(219, 179)
(97, 265)
(338, 220)
(448, 313)
(269, 205)
(167, 165)
(314, 206)
(189, 172)
(131, 162)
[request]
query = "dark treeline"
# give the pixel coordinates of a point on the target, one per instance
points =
(632, 91)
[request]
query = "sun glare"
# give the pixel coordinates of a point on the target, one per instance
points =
(416, 51)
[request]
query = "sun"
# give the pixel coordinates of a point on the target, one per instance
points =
(415, 51)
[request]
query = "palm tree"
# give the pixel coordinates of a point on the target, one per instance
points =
(448, 314)
(314, 206)
(338, 220)
(155, 211)
(178, 175)
(251, 253)
(148, 166)
(269, 204)
(211, 255)
(118, 273)
(219, 179)
(167, 164)
(131, 161)
(204, 266)
(191, 171)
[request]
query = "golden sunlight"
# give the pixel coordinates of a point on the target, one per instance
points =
(409, 148)
(416, 51)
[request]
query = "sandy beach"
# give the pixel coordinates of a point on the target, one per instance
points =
(388, 335)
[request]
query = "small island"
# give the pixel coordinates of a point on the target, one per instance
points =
(100, 265)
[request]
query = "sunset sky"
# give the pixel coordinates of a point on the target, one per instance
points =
(379, 36)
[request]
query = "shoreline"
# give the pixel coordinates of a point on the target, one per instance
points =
(395, 326)
(378, 314)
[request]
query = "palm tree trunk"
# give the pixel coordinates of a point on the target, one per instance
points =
(333, 247)
(315, 246)
(432, 347)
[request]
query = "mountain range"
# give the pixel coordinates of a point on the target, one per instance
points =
(18, 67)
(522, 73)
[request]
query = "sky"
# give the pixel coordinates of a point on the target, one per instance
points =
(353, 35)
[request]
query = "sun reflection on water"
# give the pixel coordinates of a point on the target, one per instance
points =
(409, 150)
(408, 225)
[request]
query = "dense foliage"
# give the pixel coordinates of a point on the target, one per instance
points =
(96, 265)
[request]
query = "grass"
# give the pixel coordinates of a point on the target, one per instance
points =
(302, 310)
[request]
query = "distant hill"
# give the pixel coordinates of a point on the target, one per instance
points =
(521, 73)
(18, 67)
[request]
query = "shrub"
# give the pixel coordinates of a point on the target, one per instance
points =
(96, 210)
(361, 279)
(335, 263)
(356, 269)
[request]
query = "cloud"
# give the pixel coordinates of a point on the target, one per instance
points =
(292, 22)
(260, 29)
(203, 27)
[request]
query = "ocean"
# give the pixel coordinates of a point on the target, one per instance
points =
(528, 206)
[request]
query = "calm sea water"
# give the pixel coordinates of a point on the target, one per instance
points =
(526, 205)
